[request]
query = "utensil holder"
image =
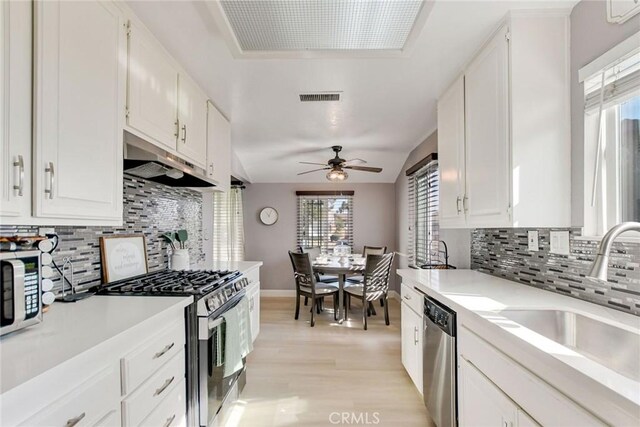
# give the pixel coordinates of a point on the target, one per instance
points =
(180, 259)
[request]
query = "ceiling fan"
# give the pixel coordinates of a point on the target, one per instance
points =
(337, 165)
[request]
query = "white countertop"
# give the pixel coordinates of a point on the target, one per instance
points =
(477, 297)
(69, 329)
(242, 266)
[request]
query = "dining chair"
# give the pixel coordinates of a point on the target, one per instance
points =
(308, 287)
(315, 252)
(367, 250)
(375, 285)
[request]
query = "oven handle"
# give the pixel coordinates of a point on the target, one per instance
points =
(206, 325)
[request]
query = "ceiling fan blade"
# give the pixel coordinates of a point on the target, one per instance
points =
(314, 170)
(364, 168)
(354, 162)
(313, 163)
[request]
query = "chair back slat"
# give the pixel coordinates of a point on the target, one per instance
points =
(376, 275)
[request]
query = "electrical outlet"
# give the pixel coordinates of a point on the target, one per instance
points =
(533, 240)
(559, 242)
(43, 231)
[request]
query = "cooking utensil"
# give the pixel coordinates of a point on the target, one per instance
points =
(182, 236)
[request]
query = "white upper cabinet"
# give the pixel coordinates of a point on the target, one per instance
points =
(515, 170)
(192, 121)
(451, 155)
(80, 54)
(619, 11)
(487, 135)
(218, 148)
(152, 89)
(15, 109)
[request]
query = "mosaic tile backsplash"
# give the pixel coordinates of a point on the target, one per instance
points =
(149, 208)
(504, 253)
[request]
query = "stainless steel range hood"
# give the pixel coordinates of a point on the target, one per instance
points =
(145, 160)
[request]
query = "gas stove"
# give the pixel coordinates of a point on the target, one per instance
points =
(211, 289)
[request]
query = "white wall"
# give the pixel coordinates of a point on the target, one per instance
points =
(458, 241)
(591, 36)
(373, 219)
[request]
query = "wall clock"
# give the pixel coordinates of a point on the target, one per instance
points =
(268, 216)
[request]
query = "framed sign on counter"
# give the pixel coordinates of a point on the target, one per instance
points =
(123, 256)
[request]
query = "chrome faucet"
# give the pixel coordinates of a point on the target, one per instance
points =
(601, 262)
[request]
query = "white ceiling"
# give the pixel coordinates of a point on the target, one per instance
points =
(387, 107)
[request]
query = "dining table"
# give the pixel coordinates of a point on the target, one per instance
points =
(341, 267)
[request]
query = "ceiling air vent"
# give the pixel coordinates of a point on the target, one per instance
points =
(319, 97)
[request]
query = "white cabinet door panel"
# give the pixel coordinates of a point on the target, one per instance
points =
(620, 11)
(192, 119)
(487, 136)
(451, 155)
(411, 336)
(80, 87)
(15, 109)
(482, 404)
(153, 90)
(218, 148)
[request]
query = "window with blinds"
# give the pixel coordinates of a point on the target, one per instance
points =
(325, 219)
(423, 213)
(228, 227)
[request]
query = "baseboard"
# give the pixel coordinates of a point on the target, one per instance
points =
(277, 293)
(395, 295)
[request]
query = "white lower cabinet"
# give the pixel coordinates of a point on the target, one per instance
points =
(481, 402)
(495, 390)
(411, 336)
(134, 379)
(254, 309)
(88, 404)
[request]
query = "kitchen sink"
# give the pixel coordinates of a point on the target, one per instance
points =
(616, 348)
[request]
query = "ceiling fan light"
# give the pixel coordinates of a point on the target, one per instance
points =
(337, 175)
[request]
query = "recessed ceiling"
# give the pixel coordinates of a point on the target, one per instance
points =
(292, 25)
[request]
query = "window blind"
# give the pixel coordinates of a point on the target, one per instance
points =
(325, 220)
(228, 227)
(423, 213)
(620, 80)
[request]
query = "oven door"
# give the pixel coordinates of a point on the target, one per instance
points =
(214, 386)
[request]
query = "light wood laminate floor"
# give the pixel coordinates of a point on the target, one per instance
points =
(326, 375)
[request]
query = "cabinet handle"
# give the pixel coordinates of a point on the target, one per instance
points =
(184, 134)
(415, 335)
(211, 168)
(465, 203)
(169, 420)
(176, 132)
(163, 351)
(407, 297)
(73, 421)
(51, 171)
(20, 165)
(164, 386)
(458, 200)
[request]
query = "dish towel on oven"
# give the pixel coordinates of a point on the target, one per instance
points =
(237, 336)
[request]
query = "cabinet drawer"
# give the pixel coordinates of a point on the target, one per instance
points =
(413, 298)
(142, 401)
(138, 365)
(87, 405)
(172, 410)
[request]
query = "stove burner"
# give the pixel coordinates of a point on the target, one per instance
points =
(170, 282)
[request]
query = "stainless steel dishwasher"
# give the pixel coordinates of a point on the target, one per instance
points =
(439, 363)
